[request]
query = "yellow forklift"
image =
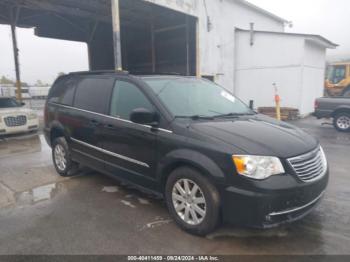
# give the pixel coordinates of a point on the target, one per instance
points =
(338, 80)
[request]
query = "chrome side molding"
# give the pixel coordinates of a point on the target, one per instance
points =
(111, 117)
(111, 153)
(297, 208)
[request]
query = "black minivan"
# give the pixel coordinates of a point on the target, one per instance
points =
(189, 140)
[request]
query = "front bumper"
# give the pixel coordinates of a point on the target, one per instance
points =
(270, 208)
(31, 125)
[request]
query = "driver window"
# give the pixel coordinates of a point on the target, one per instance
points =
(125, 98)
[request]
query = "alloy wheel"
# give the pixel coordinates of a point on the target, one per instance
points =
(343, 122)
(189, 202)
(60, 157)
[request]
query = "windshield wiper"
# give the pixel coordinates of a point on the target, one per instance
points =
(233, 115)
(197, 117)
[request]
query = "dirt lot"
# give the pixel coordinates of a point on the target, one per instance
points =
(41, 213)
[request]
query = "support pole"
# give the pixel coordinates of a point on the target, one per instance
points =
(198, 62)
(278, 103)
(116, 35)
(187, 47)
(14, 18)
(153, 49)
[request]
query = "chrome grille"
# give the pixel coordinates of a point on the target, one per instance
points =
(311, 166)
(12, 121)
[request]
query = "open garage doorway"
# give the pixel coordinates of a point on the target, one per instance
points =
(155, 39)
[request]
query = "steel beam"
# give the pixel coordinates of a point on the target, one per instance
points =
(187, 47)
(14, 18)
(116, 34)
(51, 6)
(170, 28)
(198, 58)
(153, 48)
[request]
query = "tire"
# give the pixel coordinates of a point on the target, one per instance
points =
(197, 223)
(61, 157)
(341, 121)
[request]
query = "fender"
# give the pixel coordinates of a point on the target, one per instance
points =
(341, 108)
(192, 158)
(58, 126)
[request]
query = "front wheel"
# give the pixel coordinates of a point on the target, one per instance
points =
(193, 201)
(342, 122)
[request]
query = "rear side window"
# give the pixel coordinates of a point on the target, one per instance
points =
(125, 98)
(63, 91)
(93, 94)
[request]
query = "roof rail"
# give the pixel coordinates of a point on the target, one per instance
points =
(157, 73)
(100, 72)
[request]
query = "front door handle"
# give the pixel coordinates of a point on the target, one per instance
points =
(110, 126)
(94, 122)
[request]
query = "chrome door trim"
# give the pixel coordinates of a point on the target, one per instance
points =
(111, 153)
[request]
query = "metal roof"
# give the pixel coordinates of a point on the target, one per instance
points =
(316, 38)
(262, 11)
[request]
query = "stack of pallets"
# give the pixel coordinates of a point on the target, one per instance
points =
(287, 113)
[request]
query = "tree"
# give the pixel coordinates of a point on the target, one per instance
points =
(5, 81)
(39, 83)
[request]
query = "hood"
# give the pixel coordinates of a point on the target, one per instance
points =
(15, 110)
(259, 135)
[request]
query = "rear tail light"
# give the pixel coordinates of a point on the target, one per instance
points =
(316, 104)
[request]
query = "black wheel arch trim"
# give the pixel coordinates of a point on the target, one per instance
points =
(342, 108)
(56, 125)
(190, 158)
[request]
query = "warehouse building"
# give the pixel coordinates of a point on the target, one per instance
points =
(189, 37)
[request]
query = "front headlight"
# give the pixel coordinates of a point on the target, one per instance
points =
(258, 167)
(32, 116)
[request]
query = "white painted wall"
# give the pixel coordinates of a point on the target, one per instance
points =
(217, 47)
(294, 63)
(313, 75)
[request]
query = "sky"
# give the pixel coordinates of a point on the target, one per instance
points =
(329, 18)
(43, 58)
(40, 58)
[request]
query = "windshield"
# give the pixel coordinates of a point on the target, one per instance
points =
(336, 73)
(187, 97)
(8, 103)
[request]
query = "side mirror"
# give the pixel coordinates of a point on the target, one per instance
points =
(144, 117)
(23, 104)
